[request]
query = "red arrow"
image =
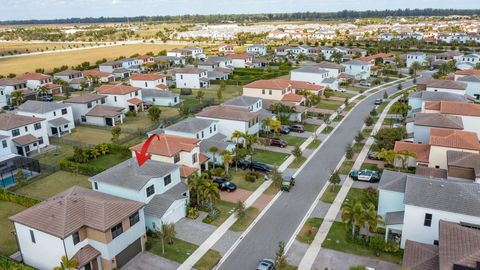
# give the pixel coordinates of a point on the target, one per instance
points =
(143, 156)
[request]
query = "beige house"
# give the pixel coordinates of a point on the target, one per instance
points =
(281, 90)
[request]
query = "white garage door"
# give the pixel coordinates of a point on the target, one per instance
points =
(177, 212)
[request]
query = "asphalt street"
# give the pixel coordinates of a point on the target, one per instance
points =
(284, 216)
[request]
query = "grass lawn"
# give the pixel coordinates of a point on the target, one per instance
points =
(354, 88)
(310, 127)
(338, 118)
(314, 144)
(54, 157)
(108, 160)
(342, 94)
(57, 182)
(229, 92)
(381, 107)
(140, 121)
(269, 157)
(338, 238)
(356, 194)
(327, 130)
(91, 135)
(370, 166)
(309, 230)
(388, 122)
(346, 167)
(293, 140)
(168, 111)
(329, 104)
(8, 244)
(357, 147)
(180, 250)
(135, 141)
(225, 210)
(297, 162)
(239, 179)
(272, 190)
(366, 132)
(330, 193)
(241, 225)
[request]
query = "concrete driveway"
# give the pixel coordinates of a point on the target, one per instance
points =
(150, 261)
(331, 259)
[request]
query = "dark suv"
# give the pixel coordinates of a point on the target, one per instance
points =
(278, 142)
(297, 128)
(255, 165)
(225, 184)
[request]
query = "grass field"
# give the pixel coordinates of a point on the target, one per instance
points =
(238, 178)
(8, 244)
(242, 224)
(51, 60)
(54, 157)
(225, 210)
(314, 144)
(55, 183)
(91, 135)
(272, 158)
(330, 194)
(12, 48)
(108, 161)
(309, 230)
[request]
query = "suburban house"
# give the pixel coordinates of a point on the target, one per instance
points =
(216, 62)
(22, 135)
(280, 90)
(333, 69)
(149, 80)
(232, 119)
(58, 116)
(168, 61)
(297, 114)
(226, 48)
(257, 49)
(458, 248)
(100, 76)
(145, 59)
(124, 96)
(91, 109)
(419, 57)
(194, 52)
(312, 74)
(417, 100)
(421, 151)
(98, 230)
(133, 65)
(160, 98)
(473, 86)
(442, 140)
(359, 69)
(191, 77)
(115, 68)
(253, 104)
(468, 61)
(447, 56)
(241, 60)
(412, 205)
(35, 80)
(468, 72)
(384, 58)
(448, 86)
(7, 86)
(157, 184)
(172, 149)
(423, 122)
(74, 78)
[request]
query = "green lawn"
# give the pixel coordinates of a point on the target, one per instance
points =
(135, 141)
(8, 244)
(329, 104)
(370, 166)
(330, 193)
(357, 148)
(381, 107)
(50, 185)
(366, 132)
(238, 177)
(346, 167)
(338, 238)
(91, 135)
(327, 130)
(297, 162)
(269, 157)
(314, 144)
(229, 92)
(357, 194)
(168, 111)
(241, 225)
(309, 230)
(293, 140)
(140, 121)
(342, 94)
(180, 250)
(54, 157)
(225, 210)
(354, 87)
(338, 118)
(108, 160)
(310, 127)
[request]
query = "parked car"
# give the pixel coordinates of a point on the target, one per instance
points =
(397, 125)
(372, 155)
(378, 101)
(297, 128)
(8, 108)
(46, 98)
(254, 165)
(287, 183)
(365, 175)
(266, 264)
(365, 83)
(278, 142)
(225, 184)
(284, 129)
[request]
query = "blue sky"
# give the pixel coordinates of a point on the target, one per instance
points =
(51, 9)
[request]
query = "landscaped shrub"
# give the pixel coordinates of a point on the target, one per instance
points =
(80, 168)
(391, 247)
(8, 196)
(252, 176)
(217, 172)
(185, 91)
(131, 114)
(6, 263)
(192, 213)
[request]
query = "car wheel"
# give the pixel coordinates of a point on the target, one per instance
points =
(228, 190)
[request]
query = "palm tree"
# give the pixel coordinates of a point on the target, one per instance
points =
(373, 219)
(194, 185)
(214, 151)
(266, 124)
(17, 97)
(66, 264)
(227, 160)
(275, 125)
(387, 155)
(353, 214)
(236, 135)
(403, 156)
(415, 67)
(336, 57)
(210, 192)
(42, 91)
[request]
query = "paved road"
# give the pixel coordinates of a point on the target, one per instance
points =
(284, 216)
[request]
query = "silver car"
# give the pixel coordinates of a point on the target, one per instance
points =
(266, 264)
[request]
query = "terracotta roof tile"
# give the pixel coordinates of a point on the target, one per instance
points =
(292, 97)
(269, 84)
(468, 72)
(454, 138)
(203, 158)
(228, 112)
(422, 151)
(186, 171)
(239, 56)
(85, 255)
(10, 121)
(33, 76)
(146, 77)
(96, 73)
(135, 101)
(432, 105)
(168, 145)
(459, 108)
(447, 84)
(117, 89)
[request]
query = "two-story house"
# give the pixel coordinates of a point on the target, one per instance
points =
(257, 49)
(91, 109)
(7, 86)
(58, 116)
(150, 81)
(312, 74)
(191, 77)
(98, 76)
(74, 78)
(241, 60)
(98, 230)
(156, 184)
(160, 98)
(124, 96)
(473, 86)
(227, 48)
(416, 57)
(232, 119)
(281, 90)
(420, 127)
(448, 86)
(115, 68)
(417, 100)
(35, 80)
(359, 69)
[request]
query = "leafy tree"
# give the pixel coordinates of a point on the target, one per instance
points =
(403, 156)
(335, 179)
(275, 125)
(79, 155)
(328, 94)
(336, 57)
(266, 124)
(154, 113)
(184, 110)
(373, 113)
(280, 259)
(17, 97)
(214, 150)
(373, 219)
(116, 131)
(377, 244)
(297, 152)
(276, 176)
(66, 264)
(240, 210)
(400, 108)
(200, 95)
(210, 192)
(349, 151)
(415, 67)
(167, 234)
(194, 185)
(385, 94)
(386, 137)
(359, 138)
(42, 91)
(387, 155)
(240, 153)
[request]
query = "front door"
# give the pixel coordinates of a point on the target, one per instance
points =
(109, 121)
(54, 131)
(20, 150)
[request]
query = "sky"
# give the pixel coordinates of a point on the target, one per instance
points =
(55, 9)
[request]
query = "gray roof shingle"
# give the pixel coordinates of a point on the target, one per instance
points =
(438, 120)
(41, 107)
(217, 140)
(158, 93)
(242, 101)
(393, 181)
(311, 69)
(160, 203)
(191, 125)
(438, 96)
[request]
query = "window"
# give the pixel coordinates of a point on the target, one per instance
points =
(194, 158)
(428, 220)
(117, 230)
(37, 126)
(203, 135)
(83, 118)
(263, 91)
(40, 140)
(15, 132)
(167, 180)
(95, 185)
(150, 190)
(270, 92)
(102, 101)
(146, 84)
(136, 93)
(89, 105)
(76, 238)
(214, 127)
(435, 242)
(4, 143)
(210, 130)
(54, 113)
(176, 158)
(115, 98)
(26, 128)
(64, 111)
(198, 136)
(32, 236)
(134, 219)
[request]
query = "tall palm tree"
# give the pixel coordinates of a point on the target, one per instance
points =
(194, 185)
(66, 264)
(236, 135)
(266, 124)
(416, 66)
(275, 125)
(353, 214)
(17, 97)
(373, 219)
(403, 156)
(250, 139)
(210, 192)
(227, 160)
(167, 234)
(214, 150)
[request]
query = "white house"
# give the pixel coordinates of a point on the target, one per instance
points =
(35, 80)
(191, 77)
(312, 74)
(417, 100)
(454, 87)
(98, 230)
(156, 184)
(223, 62)
(419, 57)
(160, 97)
(74, 78)
(423, 122)
(58, 116)
(131, 64)
(150, 80)
(115, 68)
(359, 69)
(468, 61)
(473, 86)
(124, 96)
(280, 90)
(232, 119)
(257, 49)
(7, 86)
(91, 109)
(23, 134)
(241, 60)
(100, 76)
(226, 48)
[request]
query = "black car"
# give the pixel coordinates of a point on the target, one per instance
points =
(46, 98)
(225, 184)
(8, 108)
(255, 165)
(284, 130)
(297, 128)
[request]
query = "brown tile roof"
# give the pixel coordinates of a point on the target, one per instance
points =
(85, 255)
(53, 86)
(162, 86)
(431, 172)
(419, 256)
(239, 56)
(292, 97)
(459, 108)
(454, 138)
(447, 84)
(432, 105)
(105, 111)
(96, 73)
(10, 121)
(438, 120)
(25, 140)
(375, 56)
(458, 245)
(300, 85)
(189, 70)
(85, 98)
(422, 151)
(186, 171)
(468, 72)
(228, 112)
(135, 101)
(117, 89)
(464, 160)
(168, 145)
(65, 213)
(202, 158)
(11, 81)
(33, 76)
(269, 84)
(146, 77)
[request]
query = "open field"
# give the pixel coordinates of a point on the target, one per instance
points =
(12, 48)
(51, 60)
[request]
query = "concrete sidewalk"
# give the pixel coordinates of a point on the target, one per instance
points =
(313, 250)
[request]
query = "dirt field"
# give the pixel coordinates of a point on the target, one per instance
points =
(48, 61)
(12, 48)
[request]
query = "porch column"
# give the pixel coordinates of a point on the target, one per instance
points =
(24, 152)
(121, 118)
(113, 121)
(59, 133)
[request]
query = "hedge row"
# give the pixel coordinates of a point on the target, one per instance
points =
(6, 263)
(8, 196)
